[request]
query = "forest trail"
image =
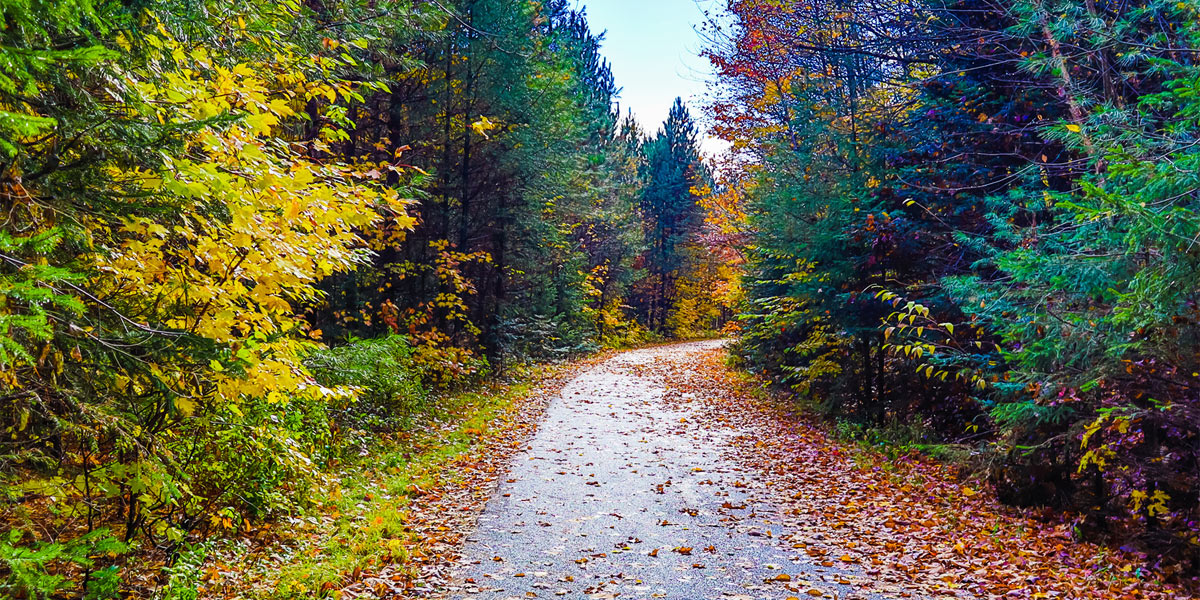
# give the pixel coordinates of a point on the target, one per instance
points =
(664, 473)
(625, 492)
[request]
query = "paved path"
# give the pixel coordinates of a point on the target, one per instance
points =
(621, 495)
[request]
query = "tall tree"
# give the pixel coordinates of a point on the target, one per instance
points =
(511, 112)
(670, 206)
(972, 215)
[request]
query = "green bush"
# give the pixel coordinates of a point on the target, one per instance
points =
(183, 577)
(35, 570)
(630, 335)
(391, 390)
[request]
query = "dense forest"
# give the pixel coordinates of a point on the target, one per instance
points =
(248, 243)
(237, 235)
(972, 226)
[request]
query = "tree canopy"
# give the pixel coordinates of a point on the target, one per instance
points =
(973, 218)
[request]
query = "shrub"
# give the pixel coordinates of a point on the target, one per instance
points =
(36, 569)
(389, 374)
(629, 334)
(540, 337)
(183, 577)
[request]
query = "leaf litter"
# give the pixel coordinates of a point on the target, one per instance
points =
(912, 525)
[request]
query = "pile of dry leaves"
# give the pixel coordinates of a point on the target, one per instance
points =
(910, 527)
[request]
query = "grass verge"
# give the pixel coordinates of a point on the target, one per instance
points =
(380, 522)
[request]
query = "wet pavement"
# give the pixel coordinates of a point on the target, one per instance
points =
(622, 494)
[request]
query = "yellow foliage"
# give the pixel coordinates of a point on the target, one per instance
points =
(256, 226)
(706, 290)
(483, 126)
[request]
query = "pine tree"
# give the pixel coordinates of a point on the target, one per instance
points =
(670, 206)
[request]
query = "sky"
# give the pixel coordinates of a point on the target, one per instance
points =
(654, 50)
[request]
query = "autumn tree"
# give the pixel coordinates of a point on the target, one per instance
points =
(954, 220)
(161, 237)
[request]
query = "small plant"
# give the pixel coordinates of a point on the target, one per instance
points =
(104, 584)
(183, 577)
(385, 371)
(848, 430)
(35, 569)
